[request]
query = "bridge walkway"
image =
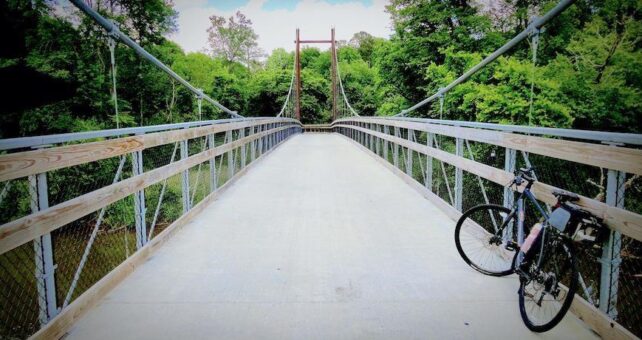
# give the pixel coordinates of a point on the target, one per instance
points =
(317, 240)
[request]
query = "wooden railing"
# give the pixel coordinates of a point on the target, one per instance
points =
(416, 138)
(240, 142)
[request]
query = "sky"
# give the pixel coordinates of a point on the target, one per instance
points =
(275, 21)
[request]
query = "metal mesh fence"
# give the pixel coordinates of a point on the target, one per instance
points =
(42, 277)
(14, 199)
(19, 312)
(611, 283)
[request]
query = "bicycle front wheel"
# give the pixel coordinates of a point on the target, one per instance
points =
(546, 291)
(485, 238)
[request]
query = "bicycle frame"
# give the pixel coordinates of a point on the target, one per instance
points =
(520, 222)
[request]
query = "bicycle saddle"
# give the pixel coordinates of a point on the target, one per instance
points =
(566, 196)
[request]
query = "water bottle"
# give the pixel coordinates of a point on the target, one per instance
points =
(532, 241)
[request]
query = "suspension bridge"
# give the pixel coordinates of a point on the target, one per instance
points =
(267, 228)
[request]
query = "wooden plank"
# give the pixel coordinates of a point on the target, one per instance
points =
(61, 324)
(27, 163)
(627, 222)
(596, 319)
(604, 156)
(606, 327)
(25, 229)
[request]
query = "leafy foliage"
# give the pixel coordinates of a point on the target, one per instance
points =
(588, 73)
(234, 39)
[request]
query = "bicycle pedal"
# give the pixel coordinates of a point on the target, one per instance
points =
(511, 246)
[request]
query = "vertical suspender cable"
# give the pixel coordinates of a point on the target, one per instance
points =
(536, 24)
(534, 47)
(287, 98)
(199, 103)
(343, 93)
(112, 51)
(113, 30)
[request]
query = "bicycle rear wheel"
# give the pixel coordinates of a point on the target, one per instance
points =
(546, 293)
(485, 238)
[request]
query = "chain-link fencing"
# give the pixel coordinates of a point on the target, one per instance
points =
(610, 270)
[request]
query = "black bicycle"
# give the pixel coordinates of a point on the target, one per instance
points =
(493, 240)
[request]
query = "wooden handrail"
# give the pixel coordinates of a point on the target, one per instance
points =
(627, 222)
(600, 322)
(604, 156)
(28, 163)
(25, 229)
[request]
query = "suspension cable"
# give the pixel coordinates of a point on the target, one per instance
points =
(442, 97)
(343, 93)
(112, 29)
(287, 98)
(111, 42)
(536, 24)
(534, 47)
(199, 104)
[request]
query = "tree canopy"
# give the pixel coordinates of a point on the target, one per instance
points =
(587, 72)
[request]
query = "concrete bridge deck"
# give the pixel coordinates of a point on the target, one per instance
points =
(318, 240)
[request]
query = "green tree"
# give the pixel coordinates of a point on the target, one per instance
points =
(234, 39)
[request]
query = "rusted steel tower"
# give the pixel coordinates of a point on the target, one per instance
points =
(297, 60)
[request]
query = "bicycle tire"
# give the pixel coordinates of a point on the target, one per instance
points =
(568, 298)
(496, 210)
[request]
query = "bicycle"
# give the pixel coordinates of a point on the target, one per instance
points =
(544, 261)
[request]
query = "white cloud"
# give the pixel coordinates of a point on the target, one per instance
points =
(276, 28)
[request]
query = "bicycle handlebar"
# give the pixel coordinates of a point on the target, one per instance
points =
(524, 174)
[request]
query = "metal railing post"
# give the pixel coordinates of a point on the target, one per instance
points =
(395, 150)
(185, 178)
(611, 257)
(213, 182)
(43, 249)
(409, 154)
(377, 142)
(509, 165)
(459, 175)
(429, 143)
(252, 145)
(243, 153)
(139, 202)
(371, 139)
(260, 141)
(230, 155)
(385, 143)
